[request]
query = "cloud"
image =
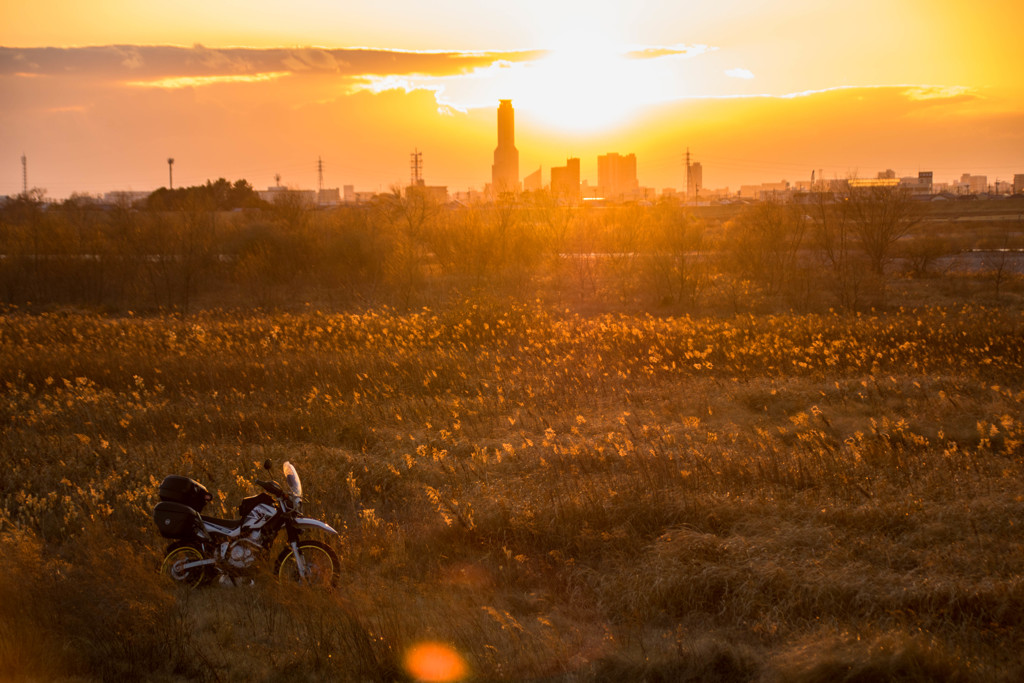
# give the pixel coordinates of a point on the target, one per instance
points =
(939, 92)
(117, 62)
(669, 51)
(914, 93)
(176, 82)
(739, 73)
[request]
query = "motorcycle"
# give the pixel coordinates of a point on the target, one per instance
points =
(204, 549)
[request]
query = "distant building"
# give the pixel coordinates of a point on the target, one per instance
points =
(972, 184)
(920, 185)
(887, 174)
(780, 190)
(694, 181)
(505, 171)
(437, 194)
(715, 193)
(565, 181)
(533, 182)
(124, 197)
(1003, 187)
(616, 176)
(873, 182)
(1018, 183)
(328, 196)
(469, 197)
(279, 193)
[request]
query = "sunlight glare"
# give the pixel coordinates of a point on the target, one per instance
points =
(435, 662)
(585, 84)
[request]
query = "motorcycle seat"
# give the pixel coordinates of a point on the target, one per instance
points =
(226, 523)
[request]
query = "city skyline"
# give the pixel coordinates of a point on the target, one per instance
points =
(758, 94)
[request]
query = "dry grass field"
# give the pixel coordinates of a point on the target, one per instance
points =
(545, 494)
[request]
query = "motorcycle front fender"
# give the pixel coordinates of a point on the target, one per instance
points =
(315, 523)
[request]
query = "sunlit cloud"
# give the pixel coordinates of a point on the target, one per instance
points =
(938, 92)
(585, 85)
(911, 92)
(178, 82)
(669, 51)
(739, 73)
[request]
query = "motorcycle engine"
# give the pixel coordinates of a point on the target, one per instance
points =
(240, 554)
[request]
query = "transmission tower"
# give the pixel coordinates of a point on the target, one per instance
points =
(170, 173)
(24, 174)
(416, 168)
(320, 175)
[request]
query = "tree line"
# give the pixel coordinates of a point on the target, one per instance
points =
(219, 245)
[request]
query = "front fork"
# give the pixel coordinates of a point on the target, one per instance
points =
(300, 561)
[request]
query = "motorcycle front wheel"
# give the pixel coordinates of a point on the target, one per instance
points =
(322, 565)
(178, 555)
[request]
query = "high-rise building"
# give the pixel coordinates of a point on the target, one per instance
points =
(972, 184)
(505, 171)
(565, 181)
(616, 176)
(1018, 183)
(533, 182)
(694, 180)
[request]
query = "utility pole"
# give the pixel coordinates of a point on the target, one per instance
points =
(416, 168)
(688, 198)
(170, 173)
(320, 176)
(24, 174)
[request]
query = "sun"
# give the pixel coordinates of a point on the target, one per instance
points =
(588, 80)
(584, 84)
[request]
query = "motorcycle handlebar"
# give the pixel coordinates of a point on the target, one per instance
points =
(271, 486)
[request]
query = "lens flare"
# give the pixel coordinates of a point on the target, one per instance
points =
(435, 662)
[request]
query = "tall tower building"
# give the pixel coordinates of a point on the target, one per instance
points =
(505, 171)
(616, 176)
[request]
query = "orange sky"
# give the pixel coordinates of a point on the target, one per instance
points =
(97, 95)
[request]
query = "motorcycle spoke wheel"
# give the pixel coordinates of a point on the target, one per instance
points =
(174, 569)
(322, 565)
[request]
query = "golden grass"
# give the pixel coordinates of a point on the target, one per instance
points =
(551, 496)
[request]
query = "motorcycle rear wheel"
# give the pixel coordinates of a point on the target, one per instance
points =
(323, 566)
(179, 554)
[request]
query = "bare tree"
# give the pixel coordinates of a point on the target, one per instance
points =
(407, 218)
(881, 215)
(835, 239)
(177, 252)
(764, 241)
(624, 232)
(676, 256)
